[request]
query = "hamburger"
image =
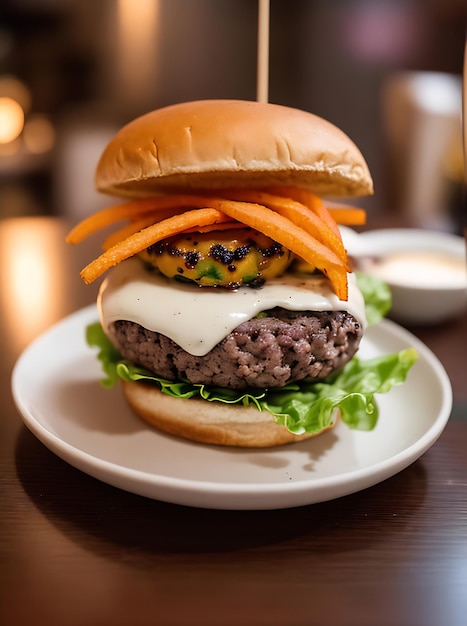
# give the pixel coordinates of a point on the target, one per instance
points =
(229, 310)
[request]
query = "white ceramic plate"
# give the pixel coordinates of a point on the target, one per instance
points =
(55, 387)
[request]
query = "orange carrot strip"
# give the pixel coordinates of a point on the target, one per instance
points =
(299, 214)
(144, 238)
(350, 216)
(123, 233)
(261, 218)
(131, 210)
(135, 208)
(231, 225)
(293, 237)
(339, 213)
(138, 224)
(312, 201)
(108, 216)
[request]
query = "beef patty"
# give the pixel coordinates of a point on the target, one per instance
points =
(267, 351)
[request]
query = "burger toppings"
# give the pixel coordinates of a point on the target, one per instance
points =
(219, 259)
(299, 228)
(197, 319)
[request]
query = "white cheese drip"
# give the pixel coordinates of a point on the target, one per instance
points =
(198, 318)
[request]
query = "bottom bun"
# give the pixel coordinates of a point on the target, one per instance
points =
(209, 422)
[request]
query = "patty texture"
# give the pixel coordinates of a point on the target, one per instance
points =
(283, 347)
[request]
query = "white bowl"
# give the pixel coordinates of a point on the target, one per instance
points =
(426, 271)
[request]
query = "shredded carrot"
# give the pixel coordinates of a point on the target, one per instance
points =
(295, 218)
(293, 237)
(128, 230)
(349, 216)
(137, 225)
(230, 225)
(340, 213)
(108, 216)
(142, 239)
(312, 201)
(299, 214)
(133, 210)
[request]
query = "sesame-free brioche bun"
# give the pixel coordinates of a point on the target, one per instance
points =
(209, 422)
(214, 144)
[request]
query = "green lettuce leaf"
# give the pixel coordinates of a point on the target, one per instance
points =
(351, 390)
(305, 407)
(377, 296)
(107, 354)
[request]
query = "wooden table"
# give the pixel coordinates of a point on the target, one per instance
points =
(75, 551)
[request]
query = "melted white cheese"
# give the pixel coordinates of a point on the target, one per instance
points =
(198, 318)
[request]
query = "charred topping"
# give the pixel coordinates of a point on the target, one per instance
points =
(228, 259)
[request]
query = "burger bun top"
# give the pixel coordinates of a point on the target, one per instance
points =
(207, 145)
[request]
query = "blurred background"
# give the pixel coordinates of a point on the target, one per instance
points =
(388, 72)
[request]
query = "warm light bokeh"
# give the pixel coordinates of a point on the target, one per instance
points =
(11, 119)
(14, 88)
(39, 134)
(30, 300)
(137, 62)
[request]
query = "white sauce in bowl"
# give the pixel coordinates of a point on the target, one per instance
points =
(425, 270)
(422, 269)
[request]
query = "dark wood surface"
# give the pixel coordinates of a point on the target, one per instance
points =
(75, 551)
